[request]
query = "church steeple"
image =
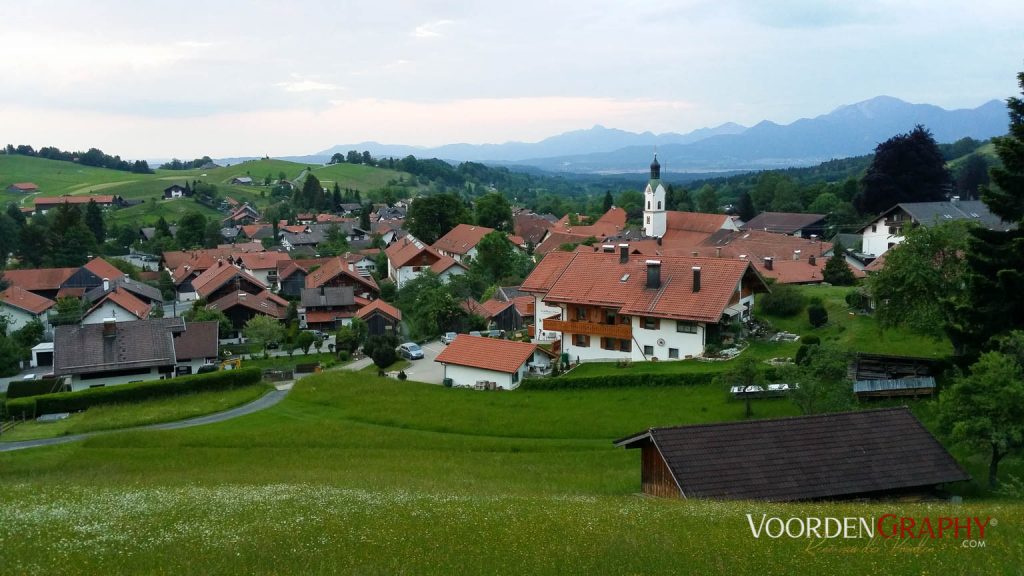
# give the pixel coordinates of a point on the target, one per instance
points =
(655, 168)
(655, 219)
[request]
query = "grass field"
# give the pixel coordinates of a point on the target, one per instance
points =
(118, 416)
(149, 212)
(355, 474)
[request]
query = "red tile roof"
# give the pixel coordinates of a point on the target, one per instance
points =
(196, 259)
(251, 230)
(876, 265)
(609, 224)
(38, 278)
(599, 279)
(125, 300)
(103, 269)
(320, 316)
(24, 186)
(254, 246)
(323, 218)
(332, 268)
(461, 239)
(532, 227)
(379, 306)
(547, 272)
(294, 228)
(555, 239)
(494, 307)
(405, 249)
(487, 353)
(524, 305)
(25, 300)
(471, 306)
(53, 201)
(219, 275)
(696, 221)
(261, 260)
(443, 264)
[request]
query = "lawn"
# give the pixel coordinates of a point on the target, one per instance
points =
(117, 416)
(149, 212)
(355, 474)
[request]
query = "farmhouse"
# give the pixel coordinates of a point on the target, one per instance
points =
(176, 191)
(23, 187)
(242, 215)
(118, 305)
(381, 318)
(887, 229)
(241, 306)
(261, 265)
(460, 242)
(612, 307)
(243, 180)
(337, 272)
(115, 352)
(144, 292)
(409, 257)
(44, 205)
(827, 456)
(470, 360)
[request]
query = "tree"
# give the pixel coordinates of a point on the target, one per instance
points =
(906, 168)
(94, 221)
(166, 285)
(15, 214)
(428, 306)
(494, 211)
(430, 217)
(212, 236)
(995, 258)
(33, 244)
(162, 229)
(9, 233)
(822, 381)
(836, 271)
(494, 254)
(364, 217)
(609, 202)
(200, 313)
(157, 311)
(783, 300)
(263, 330)
(381, 348)
(985, 408)
(191, 230)
(972, 176)
(707, 199)
(745, 207)
(304, 341)
(923, 283)
(68, 310)
(744, 373)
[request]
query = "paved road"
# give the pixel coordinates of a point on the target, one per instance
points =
(262, 403)
(425, 370)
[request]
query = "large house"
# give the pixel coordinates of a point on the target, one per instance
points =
(338, 272)
(409, 257)
(19, 307)
(825, 456)
(109, 353)
(53, 283)
(118, 305)
(460, 242)
(328, 308)
(600, 307)
(888, 229)
(261, 265)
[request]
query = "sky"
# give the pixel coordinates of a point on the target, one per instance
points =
(219, 78)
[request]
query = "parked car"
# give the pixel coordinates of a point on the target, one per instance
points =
(411, 351)
(317, 334)
(495, 334)
(448, 338)
(475, 333)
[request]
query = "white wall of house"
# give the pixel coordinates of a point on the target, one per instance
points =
(663, 343)
(876, 238)
(467, 376)
(196, 363)
(543, 310)
(261, 275)
(77, 383)
(407, 273)
(16, 317)
(108, 310)
(453, 271)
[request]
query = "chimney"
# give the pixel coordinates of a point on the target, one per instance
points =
(696, 278)
(768, 262)
(811, 260)
(718, 252)
(796, 254)
(106, 285)
(608, 248)
(623, 253)
(109, 327)
(653, 273)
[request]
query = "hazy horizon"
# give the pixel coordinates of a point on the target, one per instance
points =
(231, 79)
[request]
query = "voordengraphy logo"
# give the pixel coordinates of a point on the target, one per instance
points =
(888, 526)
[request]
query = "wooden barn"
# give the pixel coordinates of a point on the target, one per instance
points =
(864, 454)
(381, 318)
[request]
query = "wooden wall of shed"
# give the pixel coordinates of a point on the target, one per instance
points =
(655, 477)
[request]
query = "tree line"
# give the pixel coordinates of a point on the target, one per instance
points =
(91, 157)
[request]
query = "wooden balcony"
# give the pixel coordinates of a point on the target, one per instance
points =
(621, 331)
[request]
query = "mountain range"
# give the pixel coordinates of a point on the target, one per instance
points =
(850, 130)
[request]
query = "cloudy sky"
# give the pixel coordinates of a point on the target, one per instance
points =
(155, 80)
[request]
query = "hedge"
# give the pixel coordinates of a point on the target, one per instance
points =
(629, 380)
(22, 388)
(30, 406)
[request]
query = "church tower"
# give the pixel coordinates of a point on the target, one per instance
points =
(654, 203)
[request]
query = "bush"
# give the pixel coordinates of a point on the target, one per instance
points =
(22, 388)
(614, 381)
(344, 356)
(857, 300)
(75, 401)
(784, 300)
(402, 375)
(811, 340)
(817, 315)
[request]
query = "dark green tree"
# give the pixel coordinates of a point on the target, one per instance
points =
(745, 207)
(824, 385)
(745, 373)
(212, 236)
(906, 168)
(33, 244)
(608, 200)
(836, 271)
(9, 236)
(494, 211)
(707, 199)
(430, 217)
(817, 315)
(364, 217)
(972, 176)
(191, 231)
(94, 221)
(16, 215)
(162, 228)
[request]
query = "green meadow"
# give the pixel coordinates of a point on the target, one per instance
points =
(353, 474)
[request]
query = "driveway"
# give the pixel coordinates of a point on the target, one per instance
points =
(426, 370)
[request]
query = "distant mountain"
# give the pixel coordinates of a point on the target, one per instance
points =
(850, 130)
(594, 140)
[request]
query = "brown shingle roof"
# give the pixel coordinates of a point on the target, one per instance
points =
(532, 227)
(802, 458)
(139, 344)
(263, 303)
(219, 275)
(53, 201)
(38, 278)
(405, 249)
(334, 267)
(25, 300)
(24, 186)
(199, 340)
(379, 306)
(782, 222)
(462, 238)
(487, 353)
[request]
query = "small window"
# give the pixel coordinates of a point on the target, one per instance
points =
(648, 219)
(609, 316)
(515, 376)
(648, 204)
(582, 340)
(648, 350)
(607, 343)
(623, 319)
(686, 327)
(673, 353)
(651, 324)
(874, 228)
(659, 204)
(581, 313)
(625, 345)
